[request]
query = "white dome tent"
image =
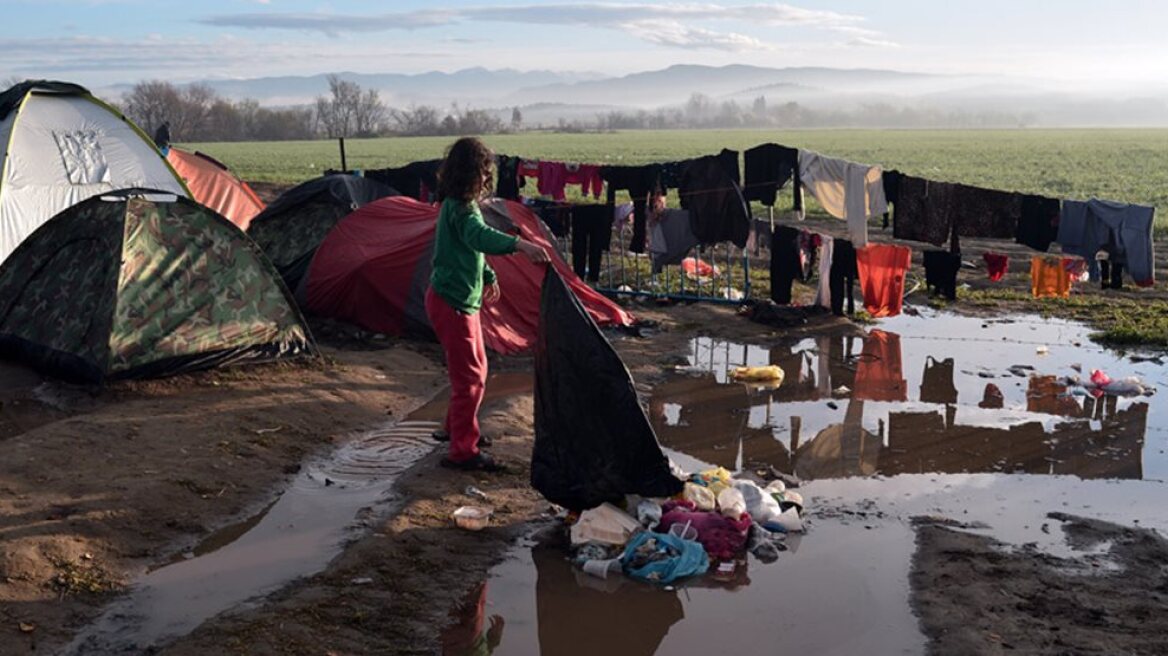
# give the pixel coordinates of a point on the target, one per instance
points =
(61, 145)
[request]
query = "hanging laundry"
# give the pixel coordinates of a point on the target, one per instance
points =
(985, 213)
(553, 176)
(672, 238)
(996, 265)
(846, 190)
(941, 272)
(1038, 225)
(922, 211)
(891, 190)
(1123, 230)
(709, 190)
(417, 179)
(879, 375)
(808, 254)
(639, 181)
(585, 175)
(785, 263)
(767, 168)
(844, 272)
(556, 216)
(1049, 277)
(882, 268)
(591, 236)
(823, 296)
(507, 177)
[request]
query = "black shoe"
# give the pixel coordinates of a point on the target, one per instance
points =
(441, 435)
(481, 462)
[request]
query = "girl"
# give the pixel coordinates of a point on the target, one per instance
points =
(460, 283)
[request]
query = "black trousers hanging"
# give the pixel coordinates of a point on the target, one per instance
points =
(785, 266)
(843, 274)
(1112, 274)
(941, 272)
(591, 236)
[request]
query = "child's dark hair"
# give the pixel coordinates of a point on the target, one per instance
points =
(467, 170)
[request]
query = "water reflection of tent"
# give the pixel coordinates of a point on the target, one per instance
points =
(840, 450)
(632, 620)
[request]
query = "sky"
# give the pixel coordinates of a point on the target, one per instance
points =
(103, 42)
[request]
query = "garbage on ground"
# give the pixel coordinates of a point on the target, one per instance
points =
(475, 493)
(709, 527)
(471, 518)
(663, 558)
(606, 524)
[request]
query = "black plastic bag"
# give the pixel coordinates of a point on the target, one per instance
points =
(593, 442)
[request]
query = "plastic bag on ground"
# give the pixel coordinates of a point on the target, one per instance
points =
(701, 497)
(662, 558)
(760, 504)
(731, 503)
(648, 514)
(593, 442)
(788, 522)
(606, 524)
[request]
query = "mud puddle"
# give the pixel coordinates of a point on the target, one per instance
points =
(295, 536)
(897, 424)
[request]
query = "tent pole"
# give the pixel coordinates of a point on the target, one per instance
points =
(344, 166)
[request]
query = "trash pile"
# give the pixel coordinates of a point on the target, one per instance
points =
(709, 526)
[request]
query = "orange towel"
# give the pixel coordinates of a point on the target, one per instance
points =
(1049, 277)
(882, 268)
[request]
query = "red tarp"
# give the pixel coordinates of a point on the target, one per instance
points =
(213, 186)
(373, 270)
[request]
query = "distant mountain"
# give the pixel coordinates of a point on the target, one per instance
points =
(675, 84)
(548, 97)
(468, 86)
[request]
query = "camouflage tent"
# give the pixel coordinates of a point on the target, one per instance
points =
(294, 225)
(138, 284)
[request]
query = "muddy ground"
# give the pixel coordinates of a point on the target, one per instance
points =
(98, 485)
(975, 595)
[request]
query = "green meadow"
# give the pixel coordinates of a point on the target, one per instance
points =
(1125, 165)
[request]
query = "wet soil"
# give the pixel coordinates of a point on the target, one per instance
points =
(976, 595)
(97, 486)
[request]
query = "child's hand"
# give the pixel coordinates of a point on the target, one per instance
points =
(492, 293)
(534, 252)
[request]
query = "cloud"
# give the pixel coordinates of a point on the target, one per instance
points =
(175, 58)
(868, 42)
(674, 24)
(676, 34)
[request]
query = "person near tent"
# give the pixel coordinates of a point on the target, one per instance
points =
(162, 138)
(461, 281)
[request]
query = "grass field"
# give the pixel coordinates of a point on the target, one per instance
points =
(1124, 165)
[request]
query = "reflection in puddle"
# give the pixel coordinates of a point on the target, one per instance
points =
(295, 536)
(961, 410)
(857, 406)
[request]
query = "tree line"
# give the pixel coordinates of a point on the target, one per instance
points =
(196, 112)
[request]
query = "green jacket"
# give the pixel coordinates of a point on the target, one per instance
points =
(461, 239)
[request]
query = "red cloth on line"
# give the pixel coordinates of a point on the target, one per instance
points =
(996, 264)
(882, 268)
(461, 336)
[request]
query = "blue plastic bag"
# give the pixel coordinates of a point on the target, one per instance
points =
(680, 558)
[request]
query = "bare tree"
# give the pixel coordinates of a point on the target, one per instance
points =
(151, 103)
(417, 120)
(348, 110)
